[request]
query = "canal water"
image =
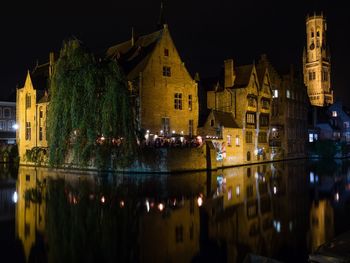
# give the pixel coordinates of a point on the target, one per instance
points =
(281, 210)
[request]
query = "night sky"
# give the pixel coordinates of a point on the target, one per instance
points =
(205, 33)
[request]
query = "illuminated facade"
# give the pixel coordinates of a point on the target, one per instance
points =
(165, 95)
(288, 112)
(317, 63)
(245, 93)
(32, 104)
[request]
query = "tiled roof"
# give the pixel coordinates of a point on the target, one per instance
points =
(134, 58)
(225, 119)
(243, 74)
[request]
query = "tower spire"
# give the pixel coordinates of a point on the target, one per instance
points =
(161, 20)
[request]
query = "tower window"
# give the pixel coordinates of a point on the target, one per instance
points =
(28, 101)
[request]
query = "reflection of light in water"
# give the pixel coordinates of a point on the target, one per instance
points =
(277, 225)
(15, 197)
(160, 207)
(337, 197)
(147, 205)
(312, 177)
(274, 189)
(200, 201)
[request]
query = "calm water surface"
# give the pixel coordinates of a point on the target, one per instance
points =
(282, 210)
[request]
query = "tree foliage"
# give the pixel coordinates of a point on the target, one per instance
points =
(89, 100)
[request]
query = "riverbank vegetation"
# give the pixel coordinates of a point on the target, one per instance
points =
(90, 121)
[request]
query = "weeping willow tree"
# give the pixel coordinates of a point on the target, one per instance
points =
(89, 118)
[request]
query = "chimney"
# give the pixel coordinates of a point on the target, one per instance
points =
(51, 63)
(229, 73)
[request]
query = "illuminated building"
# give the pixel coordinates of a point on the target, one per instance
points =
(244, 94)
(288, 112)
(32, 105)
(165, 95)
(317, 62)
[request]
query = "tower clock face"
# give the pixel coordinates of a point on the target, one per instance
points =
(312, 46)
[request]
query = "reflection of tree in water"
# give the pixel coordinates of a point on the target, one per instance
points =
(84, 225)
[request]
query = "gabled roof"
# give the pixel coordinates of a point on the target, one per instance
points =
(40, 77)
(224, 119)
(261, 71)
(134, 58)
(243, 74)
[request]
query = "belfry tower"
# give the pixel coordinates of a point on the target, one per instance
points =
(317, 62)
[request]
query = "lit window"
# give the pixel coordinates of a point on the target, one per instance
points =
(229, 193)
(238, 190)
(237, 140)
(275, 93)
(311, 137)
(228, 140)
(178, 101)
(288, 93)
(165, 125)
(334, 113)
(250, 118)
(166, 71)
(28, 131)
(189, 102)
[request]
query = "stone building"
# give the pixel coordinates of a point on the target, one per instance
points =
(164, 95)
(245, 93)
(289, 112)
(32, 105)
(166, 100)
(317, 62)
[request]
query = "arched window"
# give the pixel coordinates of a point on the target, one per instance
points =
(312, 33)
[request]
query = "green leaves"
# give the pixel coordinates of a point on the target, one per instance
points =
(89, 99)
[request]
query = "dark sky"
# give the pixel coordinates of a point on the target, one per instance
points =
(205, 32)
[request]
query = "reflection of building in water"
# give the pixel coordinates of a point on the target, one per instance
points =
(171, 235)
(30, 211)
(168, 230)
(321, 223)
(241, 213)
(289, 184)
(7, 199)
